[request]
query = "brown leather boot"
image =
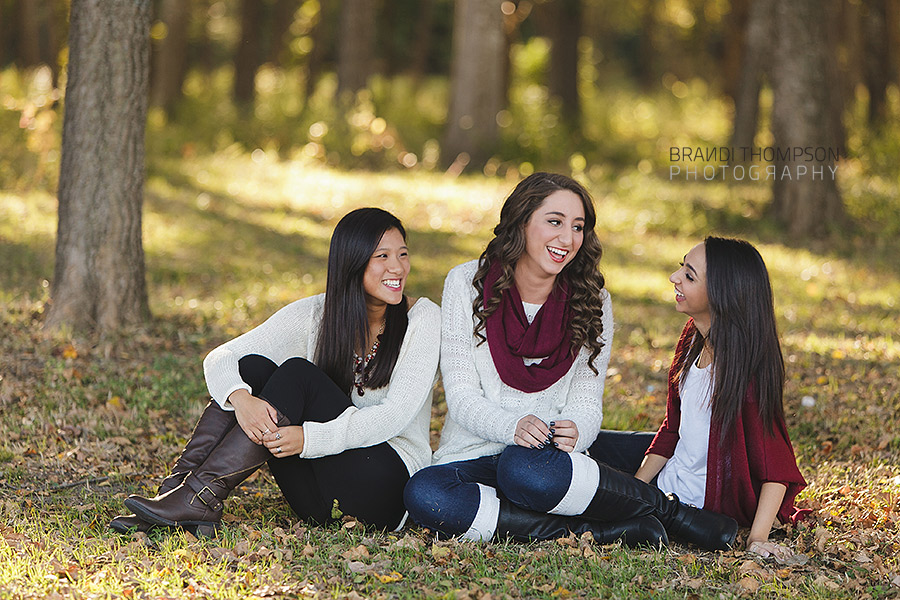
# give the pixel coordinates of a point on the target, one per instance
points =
(197, 503)
(211, 427)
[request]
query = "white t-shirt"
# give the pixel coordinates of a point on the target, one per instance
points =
(531, 311)
(685, 473)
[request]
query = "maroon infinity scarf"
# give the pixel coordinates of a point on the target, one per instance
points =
(511, 338)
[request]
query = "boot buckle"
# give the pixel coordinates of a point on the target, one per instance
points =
(212, 501)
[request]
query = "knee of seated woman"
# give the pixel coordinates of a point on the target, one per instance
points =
(534, 479)
(426, 491)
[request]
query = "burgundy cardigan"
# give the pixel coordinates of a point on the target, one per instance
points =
(750, 457)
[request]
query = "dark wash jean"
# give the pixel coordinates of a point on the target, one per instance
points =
(366, 482)
(446, 498)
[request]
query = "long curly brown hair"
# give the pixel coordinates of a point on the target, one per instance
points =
(582, 274)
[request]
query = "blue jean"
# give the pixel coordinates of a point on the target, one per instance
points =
(446, 498)
(622, 450)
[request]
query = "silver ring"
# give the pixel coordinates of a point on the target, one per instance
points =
(278, 450)
(278, 435)
(266, 432)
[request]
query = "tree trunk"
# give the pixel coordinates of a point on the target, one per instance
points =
(98, 280)
(807, 203)
(284, 16)
(422, 39)
(565, 31)
(877, 61)
(734, 42)
(249, 53)
(170, 58)
(476, 89)
(356, 44)
(755, 56)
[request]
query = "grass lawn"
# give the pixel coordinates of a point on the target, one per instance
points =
(230, 238)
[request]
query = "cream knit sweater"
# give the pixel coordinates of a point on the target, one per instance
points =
(482, 411)
(399, 413)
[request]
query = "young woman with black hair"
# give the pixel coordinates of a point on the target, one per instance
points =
(723, 444)
(527, 331)
(333, 391)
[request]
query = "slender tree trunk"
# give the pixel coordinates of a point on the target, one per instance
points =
(30, 33)
(806, 202)
(422, 39)
(735, 39)
(565, 32)
(755, 56)
(877, 62)
(284, 16)
(98, 280)
(249, 53)
(476, 89)
(170, 57)
(356, 44)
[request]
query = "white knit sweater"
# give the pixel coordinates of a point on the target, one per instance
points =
(399, 413)
(482, 411)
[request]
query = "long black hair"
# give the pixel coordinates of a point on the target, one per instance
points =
(582, 274)
(345, 324)
(742, 333)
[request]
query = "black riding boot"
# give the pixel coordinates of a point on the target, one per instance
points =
(527, 525)
(621, 496)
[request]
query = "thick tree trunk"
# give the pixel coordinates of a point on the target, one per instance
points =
(249, 53)
(356, 44)
(170, 57)
(476, 81)
(98, 281)
(755, 56)
(805, 194)
(565, 31)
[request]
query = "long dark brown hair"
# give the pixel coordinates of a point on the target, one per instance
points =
(743, 334)
(582, 274)
(345, 324)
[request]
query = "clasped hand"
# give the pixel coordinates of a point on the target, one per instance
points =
(532, 432)
(257, 418)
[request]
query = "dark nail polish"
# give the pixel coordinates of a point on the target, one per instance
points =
(552, 423)
(556, 444)
(540, 446)
(552, 431)
(532, 447)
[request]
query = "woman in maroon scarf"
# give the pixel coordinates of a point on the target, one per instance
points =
(723, 445)
(525, 340)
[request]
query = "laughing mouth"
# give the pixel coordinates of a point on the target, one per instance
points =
(679, 297)
(393, 284)
(557, 254)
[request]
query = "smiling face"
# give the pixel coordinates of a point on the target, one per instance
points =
(385, 276)
(690, 287)
(553, 235)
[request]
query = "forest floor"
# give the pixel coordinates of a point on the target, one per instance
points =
(230, 239)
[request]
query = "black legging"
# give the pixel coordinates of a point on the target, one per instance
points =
(366, 482)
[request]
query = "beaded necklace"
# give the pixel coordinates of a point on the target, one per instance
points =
(362, 366)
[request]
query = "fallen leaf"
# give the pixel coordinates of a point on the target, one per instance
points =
(749, 584)
(394, 576)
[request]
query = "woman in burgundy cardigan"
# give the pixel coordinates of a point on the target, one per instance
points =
(731, 452)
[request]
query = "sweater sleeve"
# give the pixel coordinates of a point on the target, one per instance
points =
(282, 336)
(466, 400)
(410, 387)
(584, 405)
